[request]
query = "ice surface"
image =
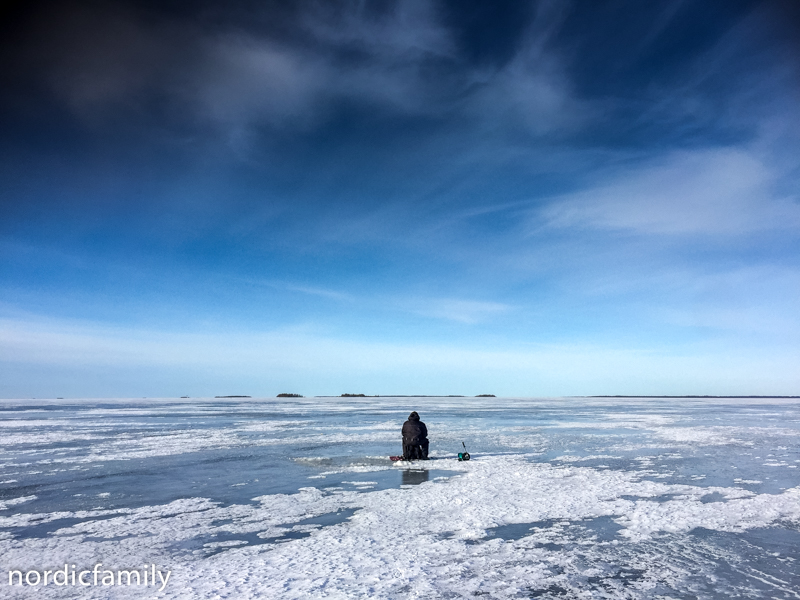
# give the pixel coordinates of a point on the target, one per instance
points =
(265, 498)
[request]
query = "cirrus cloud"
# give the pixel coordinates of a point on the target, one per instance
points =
(711, 191)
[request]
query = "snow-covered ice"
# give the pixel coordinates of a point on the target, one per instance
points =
(273, 498)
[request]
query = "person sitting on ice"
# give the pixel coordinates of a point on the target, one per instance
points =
(415, 438)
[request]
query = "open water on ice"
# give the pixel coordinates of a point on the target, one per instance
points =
(295, 498)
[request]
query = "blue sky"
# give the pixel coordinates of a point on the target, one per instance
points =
(519, 198)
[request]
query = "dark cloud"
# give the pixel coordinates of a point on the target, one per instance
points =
(364, 103)
(241, 64)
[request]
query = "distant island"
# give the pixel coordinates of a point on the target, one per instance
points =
(289, 396)
(353, 396)
(232, 396)
(486, 396)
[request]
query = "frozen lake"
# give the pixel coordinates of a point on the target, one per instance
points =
(295, 498)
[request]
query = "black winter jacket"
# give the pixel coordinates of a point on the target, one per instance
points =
(414, 430)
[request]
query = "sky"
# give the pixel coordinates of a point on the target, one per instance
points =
(542, 198)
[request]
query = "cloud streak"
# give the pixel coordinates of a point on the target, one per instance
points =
(459, 310)
(110, 59)
(714, 191)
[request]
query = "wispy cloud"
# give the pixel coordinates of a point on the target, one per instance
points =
(318, 291)
(247, 80)
(462, 311)
(115, 57)
(716, 191)
(533, 90)
(401, 59)
(290, 286)
(358, 55)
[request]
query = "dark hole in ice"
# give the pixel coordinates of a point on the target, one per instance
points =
(414, 477)
(713, 497)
